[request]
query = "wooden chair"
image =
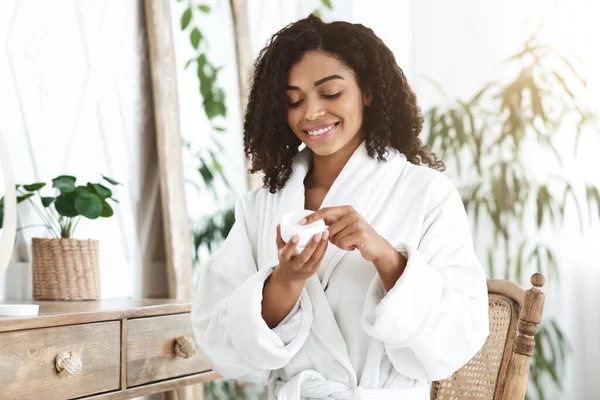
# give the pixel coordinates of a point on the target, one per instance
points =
(499, 371)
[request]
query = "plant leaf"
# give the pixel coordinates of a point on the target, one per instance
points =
(204, 8)
(490, 255)
(327, 3)
(34, 187)
(187, 64)
(186, 17)
(107, 210)
(111, 181)
(89, 205)
(24, 197)
(65, 205)
(519, 269)
(64, 183)
(195, 37)
(46, 201)
(101, 190)
(316, 13)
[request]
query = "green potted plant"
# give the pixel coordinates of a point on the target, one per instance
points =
(65, 268)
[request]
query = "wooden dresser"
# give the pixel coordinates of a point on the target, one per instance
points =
(108, 349)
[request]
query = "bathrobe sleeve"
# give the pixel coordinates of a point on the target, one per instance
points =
(435, 318)
(226, 313)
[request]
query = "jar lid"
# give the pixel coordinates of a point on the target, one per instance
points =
(291, 224)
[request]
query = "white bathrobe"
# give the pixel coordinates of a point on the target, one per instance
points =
(347, 337)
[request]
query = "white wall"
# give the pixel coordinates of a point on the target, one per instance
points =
(462, 45)
(74, 99)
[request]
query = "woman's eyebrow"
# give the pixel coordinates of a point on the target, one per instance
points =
(317, 83)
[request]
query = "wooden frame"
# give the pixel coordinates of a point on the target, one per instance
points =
(526, 313)
(166, 114)
(177, 234)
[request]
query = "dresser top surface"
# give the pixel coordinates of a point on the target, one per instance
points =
(58, 313)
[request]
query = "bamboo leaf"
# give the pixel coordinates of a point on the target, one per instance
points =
(536, 101)
(574, 71)
(552, 261)
(562, 82)
(491, 262)
(569, 191)
(519, 269)
(479, 94)
(541, 203)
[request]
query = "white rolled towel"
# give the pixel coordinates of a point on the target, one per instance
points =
(290, 226)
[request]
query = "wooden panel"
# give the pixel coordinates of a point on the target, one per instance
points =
(57, 313)
(151, 349)
(168, 138)
(158, 387)
(27, 361)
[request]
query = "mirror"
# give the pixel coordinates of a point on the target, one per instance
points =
(8, 230)
(8, 218)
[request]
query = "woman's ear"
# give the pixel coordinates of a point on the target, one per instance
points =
(367, 98)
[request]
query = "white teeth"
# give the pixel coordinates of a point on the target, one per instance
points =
(321, 131)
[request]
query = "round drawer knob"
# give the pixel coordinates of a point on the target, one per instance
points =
(68, 363)
(185, 346)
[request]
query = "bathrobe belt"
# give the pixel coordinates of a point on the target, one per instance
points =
(311, 384)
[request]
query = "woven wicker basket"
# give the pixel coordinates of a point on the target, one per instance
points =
(65, 269)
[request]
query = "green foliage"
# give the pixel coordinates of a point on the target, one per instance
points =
(209, 167)
(326, 4)
(213, 97)
(213, 231)
(71, 202)
(490, 138)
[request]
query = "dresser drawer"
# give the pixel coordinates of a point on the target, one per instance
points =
(161, 348)
(30, 361)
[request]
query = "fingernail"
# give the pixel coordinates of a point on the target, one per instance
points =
(318, 237)
(325, 235)
(302, 221)
(295, 238)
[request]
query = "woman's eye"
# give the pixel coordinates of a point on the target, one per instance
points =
(332, 96)
(296, 104)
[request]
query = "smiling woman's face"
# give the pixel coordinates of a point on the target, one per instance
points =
(325, 104)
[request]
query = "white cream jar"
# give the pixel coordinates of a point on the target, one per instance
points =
(290, 226)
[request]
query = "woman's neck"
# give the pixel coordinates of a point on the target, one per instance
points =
(325, 169)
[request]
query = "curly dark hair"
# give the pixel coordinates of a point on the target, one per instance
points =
(393, 118)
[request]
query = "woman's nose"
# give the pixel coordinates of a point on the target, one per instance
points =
(314, 110)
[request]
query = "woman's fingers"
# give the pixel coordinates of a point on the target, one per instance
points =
(310, 248)
(340, 225)
(319, 253)
(289, 249)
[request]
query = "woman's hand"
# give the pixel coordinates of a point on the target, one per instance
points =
(297, 267)
(349, 231)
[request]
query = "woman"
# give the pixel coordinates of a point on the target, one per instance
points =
(391, 296)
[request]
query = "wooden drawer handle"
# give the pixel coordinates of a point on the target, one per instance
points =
(68, 363)
(185, 347)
